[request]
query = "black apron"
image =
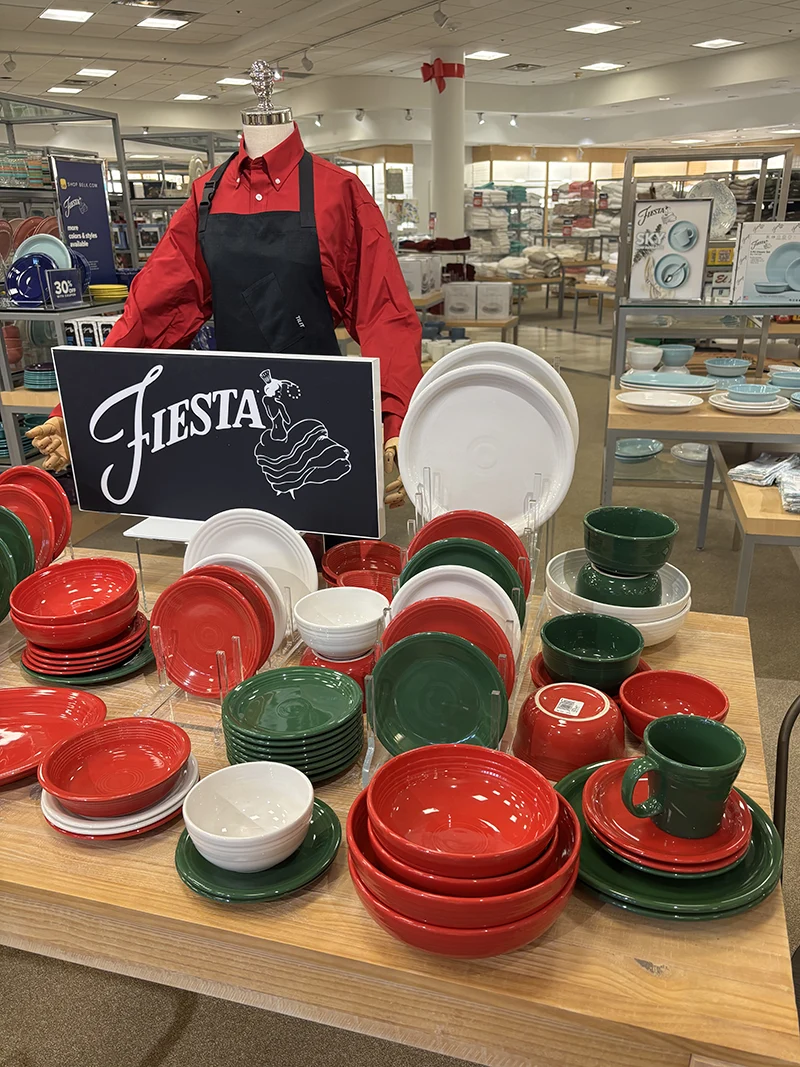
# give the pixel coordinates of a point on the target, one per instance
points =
(267, 290)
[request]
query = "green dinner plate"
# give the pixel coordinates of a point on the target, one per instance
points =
(141, 659)
(435, 688)
(297, 756)
(745, 885)
(314, 774)
(8, 577)
(312, 859)
(314, 763)
(465, 552)
(663, 915)
(311, 746)
(14, 533)
(293, 703)
(661, 874)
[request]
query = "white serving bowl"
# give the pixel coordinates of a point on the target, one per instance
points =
(250, 816)
(342, 622)
(643, 357)
(653, 633)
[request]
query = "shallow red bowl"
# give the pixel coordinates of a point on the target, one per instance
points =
(452, 616)
(654, 694)
(466, 944)
(129, 640)
(361, 556)
(74, 591)
(34, 718)
(459, 911)
(69, 635)
(357, 669)
(254, 596)
(566, 725)
(462, 810)
(381, 581)
(117, 768)
(541, 676)
(479, 526)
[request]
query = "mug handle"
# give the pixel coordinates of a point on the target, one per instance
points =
(651, 806)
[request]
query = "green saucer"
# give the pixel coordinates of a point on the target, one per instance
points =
(310, 748)
(311, 860)
(8, 577)
(14, 533)
(740, 888)
(465, 552)
(436, 688)
(142, 658)
(293, 703)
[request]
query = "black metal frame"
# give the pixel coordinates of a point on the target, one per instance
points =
(782, 767)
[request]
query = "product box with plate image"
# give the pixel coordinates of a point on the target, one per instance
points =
(494, 300)
(767, 267)
(460, 300)
(419, 273)
(669, 246)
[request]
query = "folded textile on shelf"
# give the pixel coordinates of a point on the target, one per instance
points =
(573, 207)
(789, 488)
(543, 259)
(764, 470)
(513, 265)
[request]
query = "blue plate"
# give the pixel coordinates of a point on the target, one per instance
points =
(81, 263)
(25, 279)
(672, 271)
(637, 448)
(683, 236)
(667, 379)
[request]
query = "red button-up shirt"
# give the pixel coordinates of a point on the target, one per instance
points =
(170, 298)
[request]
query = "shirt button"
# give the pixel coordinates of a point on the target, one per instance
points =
(258, 196)
(277, 181)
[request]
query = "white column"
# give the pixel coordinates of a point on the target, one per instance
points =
(447, 140)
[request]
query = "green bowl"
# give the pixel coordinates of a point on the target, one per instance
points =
(634, 591)
(597, 650)
(628, 540)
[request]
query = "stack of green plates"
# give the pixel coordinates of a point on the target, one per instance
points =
(16, 555)
(308, 717)
(735, 889)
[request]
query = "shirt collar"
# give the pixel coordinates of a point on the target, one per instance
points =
(279, 162)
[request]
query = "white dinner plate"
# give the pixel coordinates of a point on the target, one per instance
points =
(691, 452)
(721, 401)
(50, 246)
(509, 356)
(56, 813)
(654, 400)
(694, 391)
(265, 539)
(485, 432)
(464, 583)
(264, 580)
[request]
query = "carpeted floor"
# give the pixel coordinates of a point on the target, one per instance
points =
(55, 1013)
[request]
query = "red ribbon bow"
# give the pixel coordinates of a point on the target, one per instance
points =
(438, 71)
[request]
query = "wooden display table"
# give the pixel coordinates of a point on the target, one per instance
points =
(583, 289)
(505, 326)
(600, 988)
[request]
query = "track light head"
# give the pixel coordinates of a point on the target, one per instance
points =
(10, 64)
(512, 121)
(579, 154)
(318, 120)
(409, 114)
(308, 64)
(440, 18)
(481, 119)
(360, 114)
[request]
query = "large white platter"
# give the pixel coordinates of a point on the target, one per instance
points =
(265, 539)
(464, 583)
(485, 432)
(664, 403)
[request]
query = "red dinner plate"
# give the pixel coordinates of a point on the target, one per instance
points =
(33, 719)
(52, 671)
(118, 837)
(6, 239)
(254, 596)
(48, 489)
(37, 518)
(540, 676)
(452, 616)
(132, 638)
(672, 868)
(479, 526)
(123, 766)
(198, 616)
(25, 229)
(610, 819)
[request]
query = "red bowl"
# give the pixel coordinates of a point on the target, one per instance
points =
(479, 526)
(466, 944)
(78, 634)
(458, 911)
(462, 810)
(77, 590)
(541, 676)
(357, 669)
(361, 556)
(381, 581)
(117, 768)
(645, 697)
(567, 725)
(452, 616)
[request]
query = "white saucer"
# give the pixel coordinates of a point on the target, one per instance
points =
(658, 401)
(721, 401)
(691, 452)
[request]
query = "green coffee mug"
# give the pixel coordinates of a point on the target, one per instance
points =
(691, 764)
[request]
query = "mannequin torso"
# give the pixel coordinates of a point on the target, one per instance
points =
(258, 140)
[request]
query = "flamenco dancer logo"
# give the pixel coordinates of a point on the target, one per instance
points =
(295, 454)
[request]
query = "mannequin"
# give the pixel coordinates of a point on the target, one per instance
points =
(264, 129)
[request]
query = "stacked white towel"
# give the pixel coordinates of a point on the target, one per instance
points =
(489, 196)
(766, 470)
(789, 486)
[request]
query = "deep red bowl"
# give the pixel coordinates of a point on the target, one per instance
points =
(466, 944)
(78, 634)
(457, 911)
(649, 696)
(357, 669)
(117, 768)
(381, 581)
(75, 591)
(565, 726)
(462, 810)
(361, 556)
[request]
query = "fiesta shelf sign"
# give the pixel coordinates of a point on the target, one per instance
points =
(83, 206)
(186, 435)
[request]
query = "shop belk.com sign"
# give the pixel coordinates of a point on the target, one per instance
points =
(185, 435)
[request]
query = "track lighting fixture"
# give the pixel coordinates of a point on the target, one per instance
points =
(308, 64)
(579, 154)
(360, 114)
(481, 119)
(534, 152)
(10, 65)
(440, 18)
(409, 114)
(318, 120)
(512, 121)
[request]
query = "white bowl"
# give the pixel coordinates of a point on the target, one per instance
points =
(653, 633)
(562, 572)
(342, 622)
(643, 357)
(250, 816)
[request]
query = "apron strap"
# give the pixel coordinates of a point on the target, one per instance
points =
(204, 207)
(306, 171)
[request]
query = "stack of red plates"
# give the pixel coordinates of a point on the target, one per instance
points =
(462, 851)
(33, 719)
(39, 501)
(119, 779)
(79, 616)
(367, 564)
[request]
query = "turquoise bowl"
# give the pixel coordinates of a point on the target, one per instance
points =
(676, 355)
(726, 366)
(635, 591)
(754, 394)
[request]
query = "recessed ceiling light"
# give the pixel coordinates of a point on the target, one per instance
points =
(233, 81)
(190, 96)
(157, 22)
(485, 53)
(593, 27)
(96, 72)
(603, 66)
(691, 140)
(66, 14)
(65, 90)
(717, 42)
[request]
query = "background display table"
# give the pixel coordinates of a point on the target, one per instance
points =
(508, 328)
(601, 987)
(583, 289)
